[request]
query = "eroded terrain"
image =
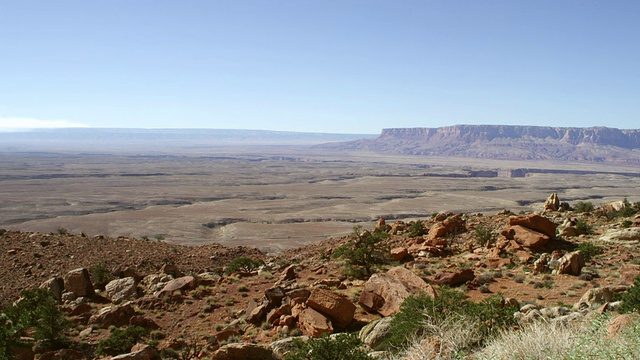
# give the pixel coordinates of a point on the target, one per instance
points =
(273, 197)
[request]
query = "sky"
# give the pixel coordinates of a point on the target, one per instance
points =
(339, 66)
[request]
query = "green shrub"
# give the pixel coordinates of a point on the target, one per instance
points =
(341, 346)
(583, 226)
(589, 250)
(627, 223)
(100, 275)
(484, 235)
(364, 252)
(121, 341)
(582, 207)
(420, 309)
(417, 229)
(627, 210)
(244, 264)
(631, 299)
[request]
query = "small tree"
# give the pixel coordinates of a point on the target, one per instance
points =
(364, 252)
(245, 264)
(36, 313)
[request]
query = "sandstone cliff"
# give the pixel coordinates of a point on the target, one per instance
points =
(596, 144)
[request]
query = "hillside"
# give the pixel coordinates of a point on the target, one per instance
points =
(596, 144)
(560, 265)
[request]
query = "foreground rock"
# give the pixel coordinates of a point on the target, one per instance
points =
(334, 305)
(455, 278)
(79, 283)
(535, 222)
(571, 263)
(384, 293)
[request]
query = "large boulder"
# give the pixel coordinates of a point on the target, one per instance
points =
(122, 289)
(78, 282)
(339, 309)
(384, 293)
(139, 352)
(376, 332)
(313, 323)
(535, 222)
(526, 237)
(113, 315)
(571, 263)
(181, 283)
(55, 286)
(455, 278)
(593, 298)
(451, 225)
(614, 235)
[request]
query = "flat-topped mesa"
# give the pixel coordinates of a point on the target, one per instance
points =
(629, 139)
(506, 142)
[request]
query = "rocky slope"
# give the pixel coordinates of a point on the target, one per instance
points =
(596, 144)
(192, 308)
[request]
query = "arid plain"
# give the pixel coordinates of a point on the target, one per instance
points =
(272, 197)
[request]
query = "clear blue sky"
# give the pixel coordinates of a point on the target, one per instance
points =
(328, 66)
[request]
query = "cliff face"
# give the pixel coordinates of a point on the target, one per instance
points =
(596, 144)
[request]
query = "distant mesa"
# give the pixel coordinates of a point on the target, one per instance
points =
(506, 142)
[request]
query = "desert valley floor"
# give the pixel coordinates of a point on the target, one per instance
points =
(275, 197)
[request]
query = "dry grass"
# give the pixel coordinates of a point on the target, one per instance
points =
(451, 338)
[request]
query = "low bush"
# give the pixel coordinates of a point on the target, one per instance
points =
(583, 226)
(341, 346)
(490, 315)
(484, 235)
(121, 341)
(417, 229)
(631, 299)
(582, 207)
(589, 250)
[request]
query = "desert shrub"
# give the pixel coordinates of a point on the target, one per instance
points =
(631, 299)
(100, 274)
(62, 231)
(582, 207)
(583, 226)
(453, 337)
(245, 264)
(627, 210)
(484, 235)
(589, 250)
(594, 343)
(417, 229)
(341, 346)
(36, 314)
(416, 311)
(363, 253)
(627, 223)
(121, 341)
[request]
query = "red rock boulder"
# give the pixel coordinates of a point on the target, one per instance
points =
(535, 222)
(339, 309)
